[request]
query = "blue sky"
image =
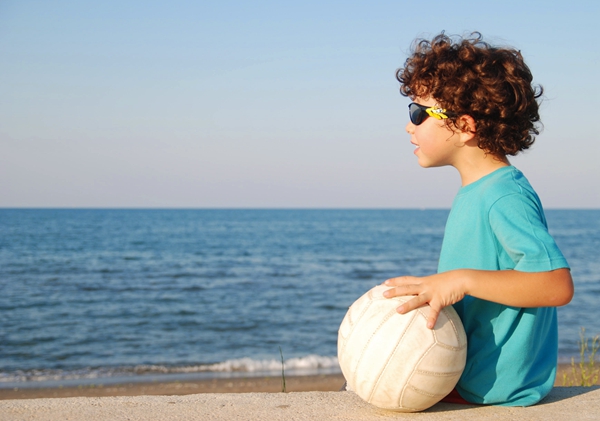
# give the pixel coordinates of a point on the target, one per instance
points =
(266, 103)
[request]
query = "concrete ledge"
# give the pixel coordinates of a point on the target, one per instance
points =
(563, 403)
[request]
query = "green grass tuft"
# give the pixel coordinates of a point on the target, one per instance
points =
(587, 371)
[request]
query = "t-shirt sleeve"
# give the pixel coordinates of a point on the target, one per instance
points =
(522, 237)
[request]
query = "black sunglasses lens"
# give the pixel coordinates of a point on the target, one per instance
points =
(416, 114)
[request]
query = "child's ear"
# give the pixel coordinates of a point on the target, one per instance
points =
(467, 127)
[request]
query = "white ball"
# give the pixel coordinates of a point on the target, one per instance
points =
(393, 360)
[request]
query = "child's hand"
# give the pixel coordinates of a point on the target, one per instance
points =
(439, 291)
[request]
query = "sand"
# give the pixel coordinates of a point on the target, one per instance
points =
(563, 403)
(324, 383)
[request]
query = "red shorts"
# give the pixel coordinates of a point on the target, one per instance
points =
(454, 397)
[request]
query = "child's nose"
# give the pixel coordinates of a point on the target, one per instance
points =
(410, 128)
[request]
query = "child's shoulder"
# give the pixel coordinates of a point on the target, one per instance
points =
(508, 180)
(506, 187)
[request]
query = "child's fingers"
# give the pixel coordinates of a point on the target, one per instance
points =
(412, 304)
(404, 285)
(433, 315)
(417, 302)
(397, 292)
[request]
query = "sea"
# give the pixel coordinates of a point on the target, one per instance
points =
(94, 296)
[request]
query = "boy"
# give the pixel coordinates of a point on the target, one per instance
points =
(473, 106)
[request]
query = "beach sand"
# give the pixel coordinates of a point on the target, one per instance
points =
(318, 383)
(324, 383)
(563, 403)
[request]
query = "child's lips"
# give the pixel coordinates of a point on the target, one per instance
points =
(416, 147)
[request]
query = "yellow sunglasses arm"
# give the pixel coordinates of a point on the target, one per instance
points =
(437, 113)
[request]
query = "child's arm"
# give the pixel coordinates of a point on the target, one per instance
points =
(509, 287)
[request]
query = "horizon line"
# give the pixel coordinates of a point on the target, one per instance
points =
(249, 208)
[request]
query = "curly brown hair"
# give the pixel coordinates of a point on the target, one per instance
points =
(467, 76)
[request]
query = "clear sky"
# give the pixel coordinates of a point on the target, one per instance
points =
(267, 103)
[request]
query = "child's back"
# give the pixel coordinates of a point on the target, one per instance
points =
(497, 223)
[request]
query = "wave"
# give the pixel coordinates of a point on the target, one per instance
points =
(310, 364)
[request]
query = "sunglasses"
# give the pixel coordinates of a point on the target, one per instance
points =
(418, 113)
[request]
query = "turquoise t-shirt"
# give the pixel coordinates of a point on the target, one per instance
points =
(497, 223)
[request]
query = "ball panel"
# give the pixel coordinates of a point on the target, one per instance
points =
(448, 329)
(366, 344)
(444, 360)
(360, 333)
(414, 400)
(354, 314)
(396, 377)
(352, 317)
(434, 384)
(379, 331)
(382, 362)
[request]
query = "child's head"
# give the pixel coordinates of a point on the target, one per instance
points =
(470, 77)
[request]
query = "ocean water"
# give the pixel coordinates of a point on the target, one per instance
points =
(106, 295)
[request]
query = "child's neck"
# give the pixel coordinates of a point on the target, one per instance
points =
(472, 170)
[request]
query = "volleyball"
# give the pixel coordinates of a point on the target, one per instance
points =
(392, 360)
